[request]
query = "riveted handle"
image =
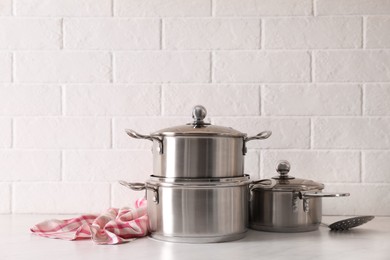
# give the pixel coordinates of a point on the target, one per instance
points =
(307, 195)
(136, 135)
(137, 186)
(259, 136)
(265, 183)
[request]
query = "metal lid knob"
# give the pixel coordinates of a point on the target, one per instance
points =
(283, 168)
(198, 114)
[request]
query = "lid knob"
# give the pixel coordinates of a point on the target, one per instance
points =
(198, 114)
(283, 168)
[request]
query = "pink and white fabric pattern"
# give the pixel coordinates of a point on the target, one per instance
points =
(114, 226)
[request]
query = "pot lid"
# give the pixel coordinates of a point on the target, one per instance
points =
(199, 127)
(285, 182)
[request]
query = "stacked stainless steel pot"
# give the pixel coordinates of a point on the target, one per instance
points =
(198, 192)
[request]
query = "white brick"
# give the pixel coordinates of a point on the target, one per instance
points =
(19, 165)
(27, 33)
(375, 166)
(252, 165)
(61, 197)
(211, 33)
(351, 133)
(142, 125)
(6, 67)
(365, 199)
(66, 133)
(377, 32)
(30, 100)
(332, 7)
(77, 67)
(6, 7)
(63, 7)
(313, 33)
(107, 165)
(352, 66)
(179, 99)
(166, 66)
(319, 166)
(5, 198)
(124, 197)
(5, 132)
(261, 66)
(140, 8)
(262, 7)
(286, 132)
(312, 100)
(377, 99)
(112, 100)
(109, 33)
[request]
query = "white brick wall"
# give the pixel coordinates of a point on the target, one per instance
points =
(64, 67)
(30, 33)
(211, 33)
(313, 33)
(161, 8)
(261, 66)
(108, 34)
(75, 73)
(162, 66)
(62, 7)
(6, 66)
(5, 132)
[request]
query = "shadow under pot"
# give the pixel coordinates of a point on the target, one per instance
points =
(198, 149)
(196, 211)
(285, 203)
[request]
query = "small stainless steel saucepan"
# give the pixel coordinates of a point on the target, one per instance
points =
(285, 203)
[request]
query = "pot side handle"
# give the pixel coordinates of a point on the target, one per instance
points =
(136, 135)
(260, 184)
(137, 186)
(265, 183)
(307, 195)
(259, 136)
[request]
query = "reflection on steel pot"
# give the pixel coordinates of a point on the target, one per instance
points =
(194, 211)
(285, 203)
(198, 149)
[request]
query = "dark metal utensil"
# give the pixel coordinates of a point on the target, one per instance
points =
(349, 223)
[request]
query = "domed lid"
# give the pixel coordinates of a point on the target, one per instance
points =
(199, 127)
(285, 182)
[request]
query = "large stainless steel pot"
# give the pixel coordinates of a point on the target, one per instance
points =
(198, 149)
(193, 211)
(285, 203)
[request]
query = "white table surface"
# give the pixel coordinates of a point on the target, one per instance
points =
(370, 241)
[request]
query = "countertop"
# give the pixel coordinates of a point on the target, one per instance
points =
(370, 241)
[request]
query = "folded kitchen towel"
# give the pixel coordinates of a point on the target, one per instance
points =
(114, 226)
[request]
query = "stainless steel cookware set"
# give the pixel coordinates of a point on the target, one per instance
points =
(199, 192)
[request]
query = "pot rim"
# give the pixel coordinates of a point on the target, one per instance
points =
(198, 134)
(198, 182)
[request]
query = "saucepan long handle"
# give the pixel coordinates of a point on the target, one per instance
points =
(307, 195)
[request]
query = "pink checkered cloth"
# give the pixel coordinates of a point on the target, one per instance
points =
(114, 226)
